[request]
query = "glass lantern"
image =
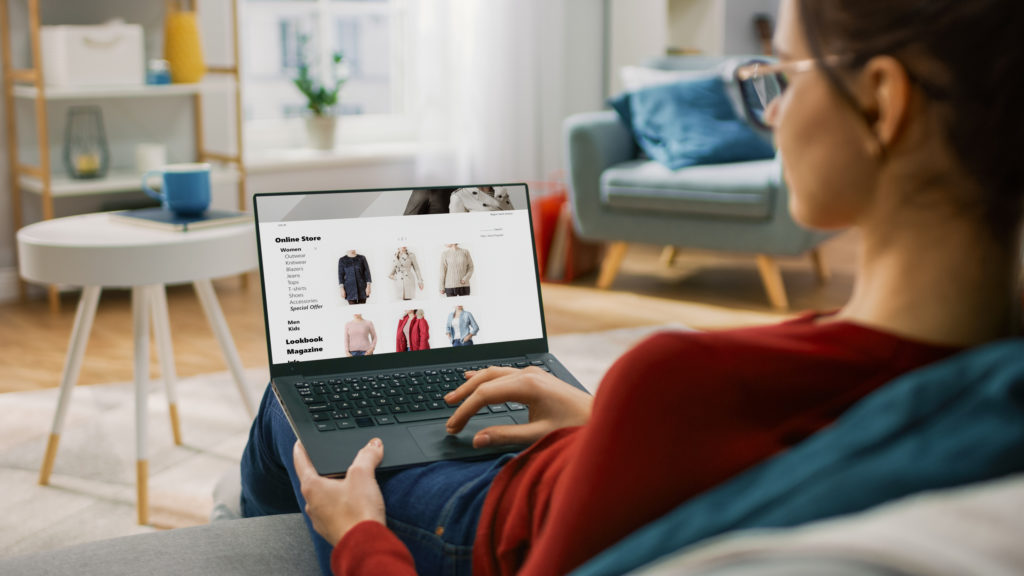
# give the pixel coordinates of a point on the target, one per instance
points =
(85, 144)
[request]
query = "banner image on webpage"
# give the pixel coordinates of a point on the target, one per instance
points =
(361, 273)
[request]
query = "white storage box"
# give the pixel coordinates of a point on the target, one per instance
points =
(110, 54)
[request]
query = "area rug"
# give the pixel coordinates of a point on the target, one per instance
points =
(91, 495)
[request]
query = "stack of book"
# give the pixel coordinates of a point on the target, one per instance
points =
(167, 220)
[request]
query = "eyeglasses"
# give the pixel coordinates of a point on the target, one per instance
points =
(762, 82)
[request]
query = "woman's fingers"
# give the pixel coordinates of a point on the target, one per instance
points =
(508, 388)
(303, 465)
(475, 379)
(511, 434)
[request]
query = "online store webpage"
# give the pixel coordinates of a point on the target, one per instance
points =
(359, 273)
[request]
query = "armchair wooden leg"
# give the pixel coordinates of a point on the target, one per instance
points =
(772, 279)
(668, 256)
(610, 265)
(821, 271)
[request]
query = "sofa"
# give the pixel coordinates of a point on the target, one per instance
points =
(620, 195)
(934, 457)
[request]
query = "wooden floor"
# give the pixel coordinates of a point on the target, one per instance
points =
(706, 291)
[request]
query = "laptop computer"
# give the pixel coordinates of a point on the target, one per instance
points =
(377, 301)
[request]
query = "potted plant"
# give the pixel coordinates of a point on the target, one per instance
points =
(321, 97)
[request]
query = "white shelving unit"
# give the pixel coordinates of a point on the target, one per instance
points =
(63, 186)
(50, 182)
(146, 91)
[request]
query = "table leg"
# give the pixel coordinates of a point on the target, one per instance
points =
(208, 299)
(165, 351)
(72, 366)
(140, 316)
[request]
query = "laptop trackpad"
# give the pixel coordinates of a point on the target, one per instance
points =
(436, 443)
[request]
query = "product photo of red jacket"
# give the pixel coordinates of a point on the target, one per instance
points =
(403, 343)
(419, 334)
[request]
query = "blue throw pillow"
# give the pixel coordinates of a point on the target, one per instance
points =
(691, 122)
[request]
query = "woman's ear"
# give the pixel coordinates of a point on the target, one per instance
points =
(886, 90)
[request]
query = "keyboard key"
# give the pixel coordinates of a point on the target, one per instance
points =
(346, 423)
(378, 411)
(498, 408)
(321, 416)
(340, 415)
(364, 422)
(305, 391)
(521, 364)
(515, 406)
(417, 407)
(326, 426)
(318, 407)
(436, 405)
(398, 409)
(384, 420)
(360, 413)
(310, 399)
(345, 405)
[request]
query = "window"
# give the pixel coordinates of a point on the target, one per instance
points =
(368, 33)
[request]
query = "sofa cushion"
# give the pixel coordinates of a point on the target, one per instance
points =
(740, 190)
(949, 424)
(265, 545)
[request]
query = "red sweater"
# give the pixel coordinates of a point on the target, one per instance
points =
(676, 415)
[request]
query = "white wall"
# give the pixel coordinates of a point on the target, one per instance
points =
(638, 31)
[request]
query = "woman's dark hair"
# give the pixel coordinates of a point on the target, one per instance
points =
(969, 54)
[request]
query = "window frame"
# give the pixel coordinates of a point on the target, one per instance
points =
(263, 134)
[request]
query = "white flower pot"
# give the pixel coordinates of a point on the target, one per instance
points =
(320, 131)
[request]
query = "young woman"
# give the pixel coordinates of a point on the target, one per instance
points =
(891, 117)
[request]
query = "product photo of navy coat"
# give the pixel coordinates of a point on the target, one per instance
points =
(354, 275)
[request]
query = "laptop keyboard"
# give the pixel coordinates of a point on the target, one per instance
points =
(339, 403)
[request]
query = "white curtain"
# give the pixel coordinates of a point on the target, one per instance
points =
(478, 88)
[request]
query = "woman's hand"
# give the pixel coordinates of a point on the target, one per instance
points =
(553, 404)
(369, 288)
(336, 505)
(343, 293)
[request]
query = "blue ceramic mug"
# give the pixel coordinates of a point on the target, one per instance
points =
(186, 188)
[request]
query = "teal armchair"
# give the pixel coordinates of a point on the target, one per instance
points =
(620, 197)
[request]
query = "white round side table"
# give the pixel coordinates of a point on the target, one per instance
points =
(99, 251)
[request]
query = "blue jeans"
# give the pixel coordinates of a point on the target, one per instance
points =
(459, 342)
(358, 353)
(433, 509)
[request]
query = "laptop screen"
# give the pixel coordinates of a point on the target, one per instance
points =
(367, 273)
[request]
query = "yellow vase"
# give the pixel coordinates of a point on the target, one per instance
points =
(182, 48)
